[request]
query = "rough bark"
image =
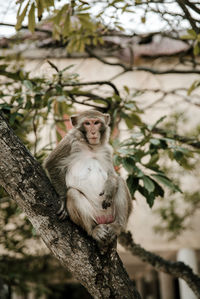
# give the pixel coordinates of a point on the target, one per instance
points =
(23, 178)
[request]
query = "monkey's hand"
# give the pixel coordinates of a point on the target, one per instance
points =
(62, 212)
(108, 198)
(109, 191)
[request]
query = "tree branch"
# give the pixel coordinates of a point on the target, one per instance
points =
(142, 68)
(23, 178)
(177, 269)
(190, 141)
(116, 91)
(86, 103)
(26, 27)
(92, 54)
(192, 6)
(188, 15)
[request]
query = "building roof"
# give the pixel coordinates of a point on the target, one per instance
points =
(126, 48)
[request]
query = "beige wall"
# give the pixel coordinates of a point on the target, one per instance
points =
(143, 218)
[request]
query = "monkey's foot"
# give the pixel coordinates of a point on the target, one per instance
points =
(62, 212)
(103, 233)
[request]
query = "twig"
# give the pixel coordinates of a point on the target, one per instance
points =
(88, 104)
(94, 83)
(190, 141)
(142, 68)
(26, 27)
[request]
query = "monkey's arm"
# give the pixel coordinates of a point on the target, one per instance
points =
(56, 171)
(110, 189)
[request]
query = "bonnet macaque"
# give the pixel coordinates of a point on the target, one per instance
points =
(82, 172)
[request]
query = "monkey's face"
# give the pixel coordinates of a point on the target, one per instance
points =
(93, 128)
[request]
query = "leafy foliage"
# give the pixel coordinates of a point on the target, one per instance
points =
(140, 155)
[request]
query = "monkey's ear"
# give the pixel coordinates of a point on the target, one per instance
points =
(74, 119)
(107, 118)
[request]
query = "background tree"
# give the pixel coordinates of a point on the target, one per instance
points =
(28, 102)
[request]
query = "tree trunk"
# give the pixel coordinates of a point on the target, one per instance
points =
(23, 178)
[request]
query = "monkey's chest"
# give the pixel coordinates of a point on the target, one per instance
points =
(87, 175)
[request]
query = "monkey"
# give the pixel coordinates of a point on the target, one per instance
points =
(81, 170)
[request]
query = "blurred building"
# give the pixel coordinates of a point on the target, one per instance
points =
(154, 52)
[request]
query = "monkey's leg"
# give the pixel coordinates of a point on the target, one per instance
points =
(122, 207)
(83, 214)
(80, 210)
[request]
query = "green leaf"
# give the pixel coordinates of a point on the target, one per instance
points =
(167, 182)
(163, 144)
(192, 32)
(48, 3)
(150, 197)
(129, 105)
(66, 27)
(158, 189)
(196, 49)
(31, 18)
(39, 9)
(158, 122)
(154, 159)
(132, 120)
(117, 160)
(28, 84)
(3, 67)
(21, 17)
(132, 183)
(178, 155)
(194, 85)
(128, 164)
(138, 172)
(188, 37)
(127, 89)
(129, 123)
(154, 141)
(148, 184)
(125, 151)
(138, 155)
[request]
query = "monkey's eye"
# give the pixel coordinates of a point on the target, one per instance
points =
(97, 122)
(87, 123)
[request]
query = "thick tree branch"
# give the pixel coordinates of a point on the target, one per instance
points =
(177, 269)
(23, 178)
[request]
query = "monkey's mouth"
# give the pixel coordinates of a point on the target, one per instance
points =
(93, 139)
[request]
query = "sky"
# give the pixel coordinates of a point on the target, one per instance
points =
(8, 11)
